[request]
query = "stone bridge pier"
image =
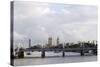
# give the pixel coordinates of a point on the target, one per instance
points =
(21, 53)
(95, 51)
(63, 53)
(82, 52)
(43, 54)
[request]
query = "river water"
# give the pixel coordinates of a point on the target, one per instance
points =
(53, 58)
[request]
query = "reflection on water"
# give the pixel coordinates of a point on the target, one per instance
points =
(52, 58)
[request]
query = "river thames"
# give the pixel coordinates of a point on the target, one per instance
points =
(53, 58)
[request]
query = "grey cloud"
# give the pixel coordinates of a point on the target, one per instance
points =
(38, 21)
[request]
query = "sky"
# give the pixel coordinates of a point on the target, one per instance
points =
(38, 21)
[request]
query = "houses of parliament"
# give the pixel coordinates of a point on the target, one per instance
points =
(50, 40)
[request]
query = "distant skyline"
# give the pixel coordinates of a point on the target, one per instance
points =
(69, 22)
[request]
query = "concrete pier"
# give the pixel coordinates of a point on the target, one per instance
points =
(21, 54)
(95, 52)
(63, 53)
(82, 52)
(43, 54)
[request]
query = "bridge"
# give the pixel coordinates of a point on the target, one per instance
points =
(80, 50)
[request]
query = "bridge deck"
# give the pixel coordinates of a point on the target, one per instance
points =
(58, 49)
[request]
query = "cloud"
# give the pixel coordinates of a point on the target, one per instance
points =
(38, 21)
(18, 36)
(80, 31)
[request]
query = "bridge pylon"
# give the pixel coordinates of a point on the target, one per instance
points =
(21, 53)
(82, 52)
(63, 53)
(43, 54)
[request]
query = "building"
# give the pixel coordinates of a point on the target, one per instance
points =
(57, 40)
(49, 41)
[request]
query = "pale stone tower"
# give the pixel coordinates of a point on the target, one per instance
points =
(49, 41)
(57, 40)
